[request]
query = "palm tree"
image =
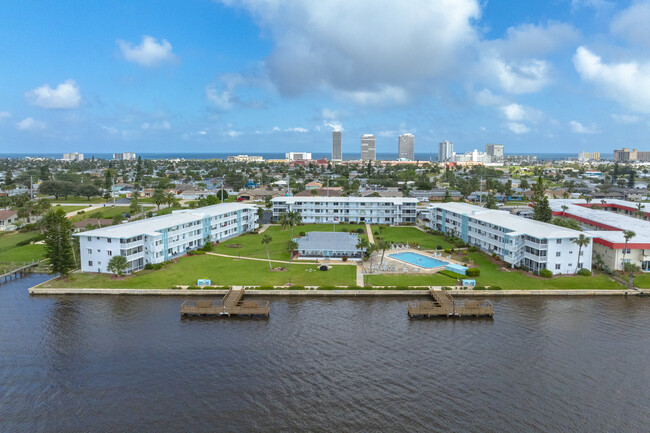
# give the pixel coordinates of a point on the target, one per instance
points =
(382, 245)
(291, 246)
(639, 211)
(564, 209)
(158, 197)
(290, 219)
(627, 234)
(169, 198)
(588, 199)
(266, 240)
(580, 241)
(363, 244)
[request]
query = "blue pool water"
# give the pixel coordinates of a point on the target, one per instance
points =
(419, 260)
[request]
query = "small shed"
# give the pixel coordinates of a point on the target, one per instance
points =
(469, 283)
(203, 282)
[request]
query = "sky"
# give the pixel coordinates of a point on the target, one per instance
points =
(248, 76)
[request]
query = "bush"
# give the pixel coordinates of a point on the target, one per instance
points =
(345, 229)
(584, 272)
(451, 274)
(446, 288)
(630, 267)
(473, 272)
(302, 234)
(545, 273)
(30, 240)
(473, 249)
(494, 288)
(207, 247)
(344, 258)
(480, 288)
(495, 255)
(360, 231)
(447, 250)
(193, 287)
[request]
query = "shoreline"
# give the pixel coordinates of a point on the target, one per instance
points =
(331, 293)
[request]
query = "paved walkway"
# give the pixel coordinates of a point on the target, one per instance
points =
(264, 227)
(360, 281)
(371, 238)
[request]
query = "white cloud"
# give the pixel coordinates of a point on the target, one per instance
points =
(518, 77)
(628, 83)
(487, 98)
(360, 46)
(625, 118)
(632, 24)
(297, 129)
(579, 128)
(221, 99)
(336, 126)
(276, 129)
(65, 95)
(387, 134)
(514, 112)
(149, 53)
(4, 115)
(518, 128)
(29, 124)
(164, 125)
(233, 134)
(386, 95)
(598, 5)
(530, 40)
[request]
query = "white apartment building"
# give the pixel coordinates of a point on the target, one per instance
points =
(406, 147)
(473, 156)
(494, 151)
(298, 156)
(445, 151)
(337, 153)
(245, 158)
(371, 210)
(516, 240)
(157, 239)
(124, 156)
(73, 156)
(368, 147)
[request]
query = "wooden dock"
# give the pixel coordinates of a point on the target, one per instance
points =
(231, 305)
(443, 305)
(18, 272)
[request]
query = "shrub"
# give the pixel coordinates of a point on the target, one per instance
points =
(584, 272)
(480, 288)
(344, 258)
(360, 231)
(376, 233)
(30, 240)
(446, 288)
(473, 249)
(297, 288)
(473, 272)
(176, 288)
(494, 288)
(149, 267)
(302, 234)
(438, 247)
(495, 255)
(345, 229)
(630, 267)
(207, 247)
(447, 250)
(451, 274)
(193, 287)
(545, 273)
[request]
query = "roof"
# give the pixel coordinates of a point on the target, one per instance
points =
(4, 214)
(517, 224)
(154, 226)
(321, 192)
(101, 222)
(396, 200)
(331, 241)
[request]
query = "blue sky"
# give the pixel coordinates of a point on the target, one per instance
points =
(274, 76)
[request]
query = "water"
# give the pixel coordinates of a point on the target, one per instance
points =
(106, 364)
(382, 156)
(419, 260)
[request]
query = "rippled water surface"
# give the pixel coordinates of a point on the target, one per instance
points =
(82, 363)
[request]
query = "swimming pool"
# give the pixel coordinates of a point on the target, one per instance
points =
(419, 260)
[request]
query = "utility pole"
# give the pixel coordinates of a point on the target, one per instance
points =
(31, 187)
(113, 192)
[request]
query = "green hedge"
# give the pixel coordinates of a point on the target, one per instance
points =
(451, 274)
(584, 272)
(473, 272)
(545, 273)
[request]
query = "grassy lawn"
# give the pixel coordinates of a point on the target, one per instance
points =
(410, 235)
(77, 199)
(105, 212)
(517, 280)
(410, 280)
(221, 270)
(642, 281)
(251, 244)
(68, 209)
(11, 255)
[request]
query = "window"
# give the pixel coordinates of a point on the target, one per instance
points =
(90, 263)
(90, 250)
(110, 253)
(559, 241)
(90, 239)
(108, 240)
(557, 254)
(557, 266)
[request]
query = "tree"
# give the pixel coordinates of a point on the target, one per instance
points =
(580, 241)
(542, 211)
(158, 197)
(524, 184)
(134, 205)
(290, 219)
(588, 199)
(363, 245)
(169, 198)
(266, 240)
(260, 213)
(88, 191)
(58, 246)
(382, 245)
(222, 195)
(627, 234)
(117, 264)
(291, 246)
(564, 209)
(491, 202)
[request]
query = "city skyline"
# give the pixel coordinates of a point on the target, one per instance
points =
(226, 74)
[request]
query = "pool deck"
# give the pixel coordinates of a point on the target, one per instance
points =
(397, 266)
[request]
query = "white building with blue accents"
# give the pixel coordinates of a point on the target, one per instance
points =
(516, 240)
(165, 237)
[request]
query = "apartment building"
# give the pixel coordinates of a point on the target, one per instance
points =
(337, 154)
(516, 240)
(73, 156)
(406, 147)
(371, 210)
(607, 221)
(124, 156)
(368, 147)
(157, 239)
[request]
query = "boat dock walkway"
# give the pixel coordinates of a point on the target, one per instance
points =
(18, 272)
(231, 305)
(443, 305)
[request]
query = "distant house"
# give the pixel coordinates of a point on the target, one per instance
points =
(329, 245)
(8, 217)
(195, 195)
(313, 185)
(322, 192)
(80, 226)
(257, 194)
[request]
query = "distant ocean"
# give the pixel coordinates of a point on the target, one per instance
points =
(278, 155)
